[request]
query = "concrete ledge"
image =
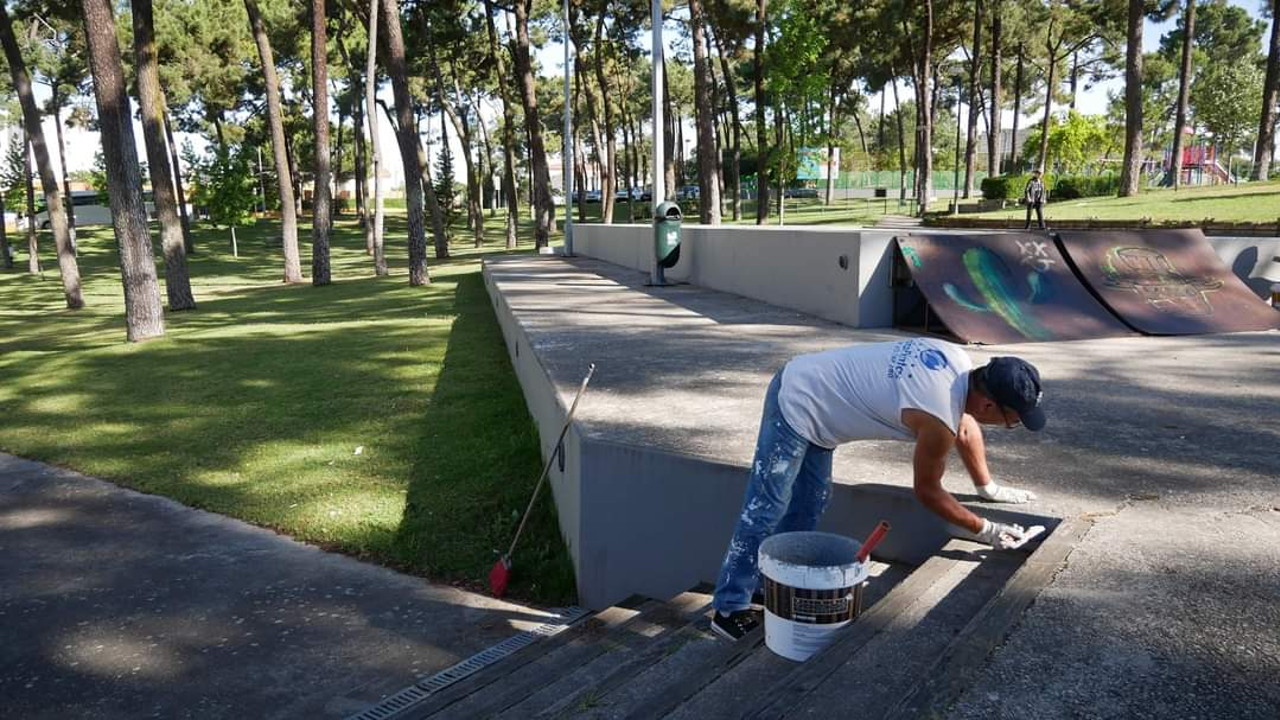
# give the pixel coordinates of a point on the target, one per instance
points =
(834, 273)
(657, 461)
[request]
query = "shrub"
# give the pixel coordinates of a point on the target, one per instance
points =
(1071, 187)
(1010, 187)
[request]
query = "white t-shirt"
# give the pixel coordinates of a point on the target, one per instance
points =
(859, 392)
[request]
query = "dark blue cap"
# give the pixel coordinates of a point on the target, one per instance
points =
(1015, 384)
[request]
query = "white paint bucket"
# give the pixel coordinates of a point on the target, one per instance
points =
(812, 588)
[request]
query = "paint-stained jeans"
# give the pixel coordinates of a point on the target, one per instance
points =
(788, 490)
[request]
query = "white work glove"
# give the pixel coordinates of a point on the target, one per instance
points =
(991, 492)
(999, 535)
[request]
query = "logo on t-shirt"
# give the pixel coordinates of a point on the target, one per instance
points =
(933, 359)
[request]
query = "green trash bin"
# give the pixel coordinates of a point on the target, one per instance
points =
(666, 234)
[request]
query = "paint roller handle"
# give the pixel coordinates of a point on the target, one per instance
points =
(872, 541)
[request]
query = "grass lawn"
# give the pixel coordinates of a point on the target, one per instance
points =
(1249, 202)
(366, 417)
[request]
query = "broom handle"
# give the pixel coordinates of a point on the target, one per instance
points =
(546, 469)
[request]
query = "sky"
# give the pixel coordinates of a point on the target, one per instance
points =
(82, 146)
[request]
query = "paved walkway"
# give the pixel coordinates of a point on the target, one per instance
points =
(115, 604)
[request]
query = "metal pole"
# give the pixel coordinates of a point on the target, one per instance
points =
(659, 193)
(659, 162)
(568, 139)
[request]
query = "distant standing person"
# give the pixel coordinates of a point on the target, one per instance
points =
(1034, 196)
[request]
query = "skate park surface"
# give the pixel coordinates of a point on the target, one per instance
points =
(1166, 444)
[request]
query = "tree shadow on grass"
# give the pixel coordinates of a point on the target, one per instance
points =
(310, 411)
(478, 409)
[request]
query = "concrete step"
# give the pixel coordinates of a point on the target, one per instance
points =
(922, 634)
(581, 691)
(733, 691)
(561, 651)
(873, 667)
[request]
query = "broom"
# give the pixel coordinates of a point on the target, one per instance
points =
(500, 574)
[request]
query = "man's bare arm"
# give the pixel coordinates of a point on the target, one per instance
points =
(934, 441)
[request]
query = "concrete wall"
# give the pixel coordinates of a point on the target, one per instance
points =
(838, 274)
(548, 411)
(641, 521)
(1251, 258)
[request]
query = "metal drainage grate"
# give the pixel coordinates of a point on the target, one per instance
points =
(407, 698)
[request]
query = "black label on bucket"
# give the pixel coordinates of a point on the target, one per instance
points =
(812, 607)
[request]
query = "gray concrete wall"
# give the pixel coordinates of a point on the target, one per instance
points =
(548, 410)
(1250, 258)
(656, 523)
(638, 520)
(799, 268)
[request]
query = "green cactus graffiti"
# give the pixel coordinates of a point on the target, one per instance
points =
(997, 287)
(912, 256)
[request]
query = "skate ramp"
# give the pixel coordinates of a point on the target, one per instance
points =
(1004, 288)
(1166, 282)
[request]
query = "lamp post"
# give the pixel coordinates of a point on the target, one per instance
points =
(568, 139)
(659, 162)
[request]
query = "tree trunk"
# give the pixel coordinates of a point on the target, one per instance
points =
(320, 211)
(67, 266)
(508, 129)
(295, 175)
(275, 119)
(177, 278)
(880, 125)
(762, 137)
(407, 138)
(733, 174)
(66, 177)
(589, 97)
(6, 252)
(33, 255)
(971, 139)
(580, 176)
(626, 183)
(1048, 108)
(459, 117)
(994, 150)
(144, 316)
(1075, 78)
(337, 161)
(1265, 151)
(902, 140)
(608, 183)
(375, 228)
(669, 118)
(708, 155)
(1017, 107)
(543, 209)
(926, 114)
(187, 245)
(862, 136)
(1184, 91)
(833, 100)
(1131, 172)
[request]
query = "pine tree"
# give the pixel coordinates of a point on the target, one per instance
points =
(444, 185)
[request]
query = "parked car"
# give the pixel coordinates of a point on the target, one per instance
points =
(689, 192)
(590, 196)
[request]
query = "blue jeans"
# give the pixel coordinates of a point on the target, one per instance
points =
(788, 490)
